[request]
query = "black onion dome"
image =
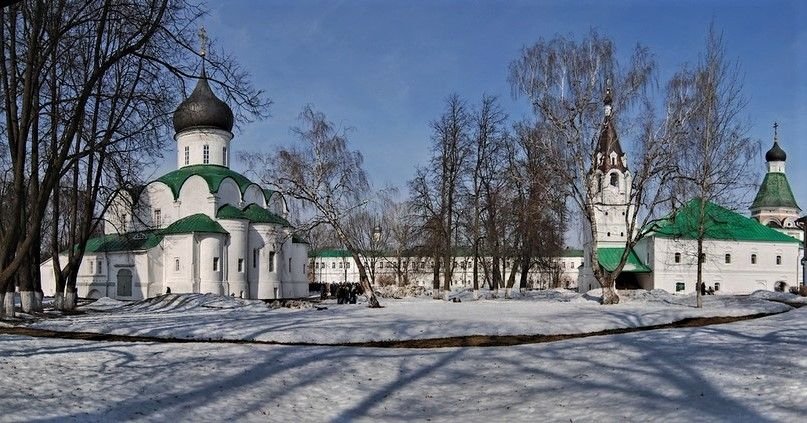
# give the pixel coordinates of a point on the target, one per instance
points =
(775, 154)
(202, 109)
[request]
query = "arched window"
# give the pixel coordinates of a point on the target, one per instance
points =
(614, 180)
(778, 260)
(678, 257)
(728, 258)
(753, 259)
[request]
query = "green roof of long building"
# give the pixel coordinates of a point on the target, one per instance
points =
(774, 192)
(720, 224)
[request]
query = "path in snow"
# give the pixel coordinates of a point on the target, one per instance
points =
(205, 317)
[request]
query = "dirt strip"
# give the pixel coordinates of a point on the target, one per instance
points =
(457, 341)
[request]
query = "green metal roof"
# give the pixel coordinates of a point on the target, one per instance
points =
(571, 252)
(228, 211)
(720, 224)
(609, 259)
(774, 192)
(330, 253)
(199, 222)
(257, 214)
(212, 174)
(132, 241)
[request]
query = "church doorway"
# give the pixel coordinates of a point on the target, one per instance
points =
(780, 286)
(124, 283)
(628, 280)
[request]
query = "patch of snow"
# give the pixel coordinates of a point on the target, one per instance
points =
(745, 371)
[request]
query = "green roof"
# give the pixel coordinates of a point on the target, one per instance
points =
(257, 214)
(609, 259)
(330, 253)
(212, 174)
(774, 192)
(720, 224)
(571, 252)
(132, 241)
(228, 211)
(199, 222)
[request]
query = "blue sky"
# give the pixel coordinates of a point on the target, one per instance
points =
(384, 68)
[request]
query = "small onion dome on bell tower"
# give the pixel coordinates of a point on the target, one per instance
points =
(775, 154)
(202, 109)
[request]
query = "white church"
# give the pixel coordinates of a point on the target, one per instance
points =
(741, 254)
(201, 228)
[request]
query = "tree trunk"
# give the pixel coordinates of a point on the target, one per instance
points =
(436, 280)
(609, 294)
(8, 300)
(698, 297)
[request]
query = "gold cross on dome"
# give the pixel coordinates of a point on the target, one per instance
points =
(203, 41)
(775, 130)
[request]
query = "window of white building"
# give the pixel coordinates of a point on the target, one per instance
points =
(158, 218)
(680, 286)
(254, 258)
(728, 258)
(717, 286)
(224, 155)
(678, 257)
(753, 259)
(187, 155)
(215, 264)
(100, 266)
(333, 265)
(289, 264)
(347, 265)
(176, 264)
(206, 154)
(240, 265)
(778, 260)
(271, 261)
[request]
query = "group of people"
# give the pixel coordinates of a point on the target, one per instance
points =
(345, 293)
(705, 291)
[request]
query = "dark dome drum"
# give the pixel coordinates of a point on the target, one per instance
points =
(202, 109)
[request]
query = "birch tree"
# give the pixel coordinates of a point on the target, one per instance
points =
(327, 179)
(711, 163)
(565, 81)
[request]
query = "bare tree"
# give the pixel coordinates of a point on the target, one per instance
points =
(435, 189)
(715, 147)
(539, 205)
(327, 178)
(566, 82)
(88, 87)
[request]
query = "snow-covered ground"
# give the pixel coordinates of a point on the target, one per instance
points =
(551, 312)
(752, 370)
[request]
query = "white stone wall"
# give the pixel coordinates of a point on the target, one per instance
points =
(738, 277)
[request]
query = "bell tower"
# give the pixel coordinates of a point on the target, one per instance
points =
(774, 205)
(610, 182)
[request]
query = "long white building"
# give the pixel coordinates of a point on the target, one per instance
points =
(337, 266)
(201, 228)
